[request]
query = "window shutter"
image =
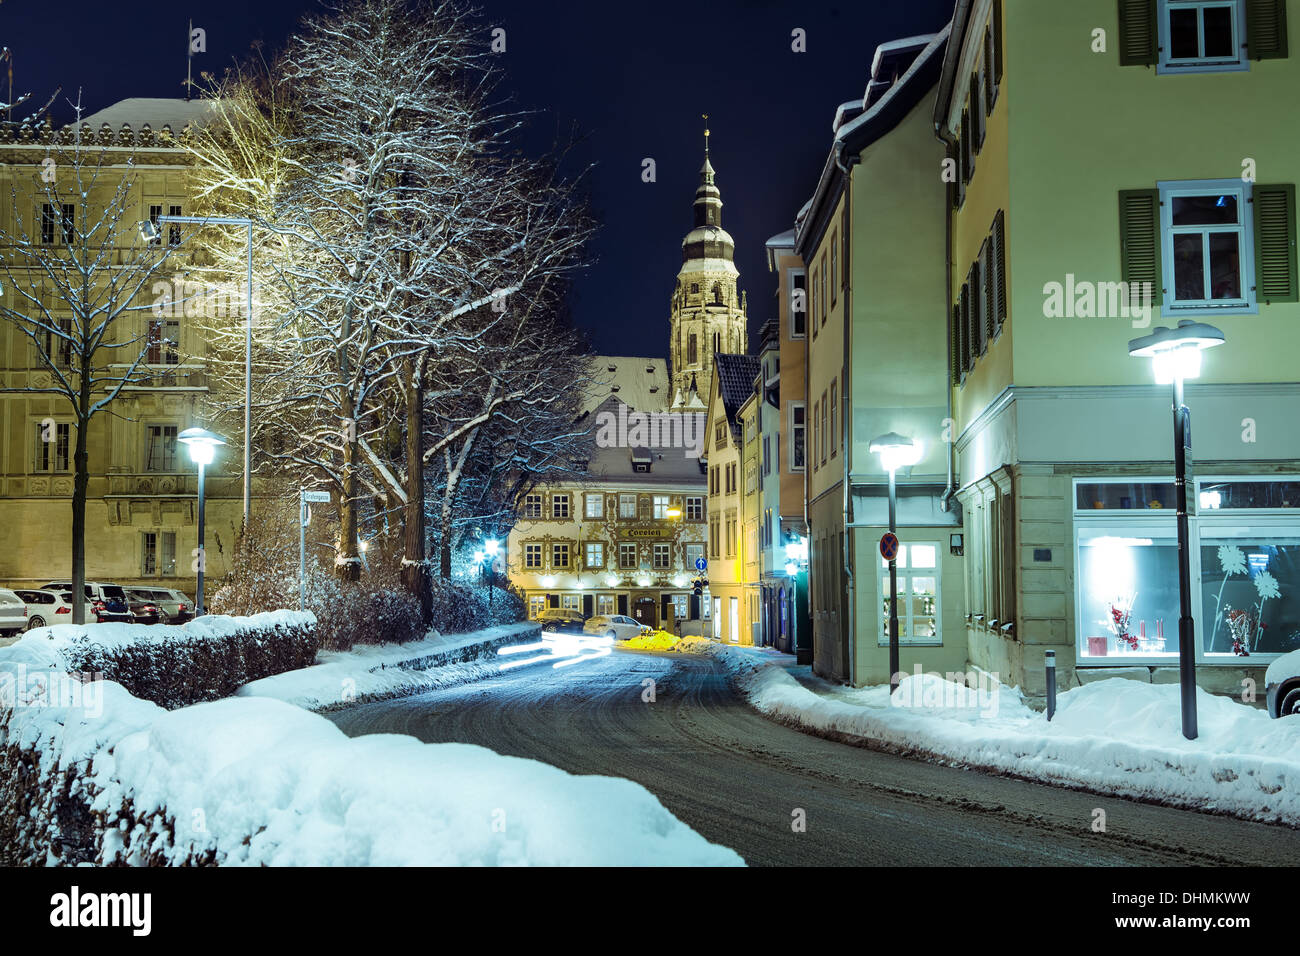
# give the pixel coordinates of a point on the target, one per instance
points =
(997, 46)
(1266, 29)
(1139, 239)
(990, 291)
(967, 167)
(954, 345)
(963, 326)
(1138, 33)
(1275, 244)
(954, 187)
(977, 108)
(973, 301)
(999, 282)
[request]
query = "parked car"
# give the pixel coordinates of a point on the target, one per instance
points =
(13, 613)
(1282, 686)
(560, 620)
(174, 604)
(144, 605)
(50, 607)
(617, 626)
(108, 601)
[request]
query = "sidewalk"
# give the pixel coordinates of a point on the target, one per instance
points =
(1115, 736)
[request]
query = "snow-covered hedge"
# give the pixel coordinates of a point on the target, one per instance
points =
(90, 774)
(204, 659)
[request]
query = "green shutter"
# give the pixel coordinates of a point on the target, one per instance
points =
(1275, 244)
(966, 165)
(954, 345)
(964, 326)
(972, 318)
(1000, 268)
(1139, 239)
(1266, 29)
(990, 289)
(997, 42)
(1139, 36)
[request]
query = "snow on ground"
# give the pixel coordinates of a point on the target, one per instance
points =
(265, 782)
(1113, 736)
(113, 634)
(377, 671)
(660, 640)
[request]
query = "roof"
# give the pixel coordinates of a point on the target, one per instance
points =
(948, 77)
(735, 377)
(639, 381)
(157, 112)
(670, 442)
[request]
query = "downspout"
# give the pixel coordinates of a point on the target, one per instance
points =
(845, 168)
(945, 502)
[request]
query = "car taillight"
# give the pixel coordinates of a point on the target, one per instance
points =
(180, 607)
(63, 610)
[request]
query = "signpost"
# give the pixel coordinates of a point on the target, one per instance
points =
(700, 564)
(304, 514)
(889, 551)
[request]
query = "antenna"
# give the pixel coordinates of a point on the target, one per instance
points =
(189, 60)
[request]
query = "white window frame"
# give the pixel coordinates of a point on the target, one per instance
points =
(596, 548)
(623, 547)
(664, 549)
(627, 505)
(567, 500)
(694, 508)
(594, 505)
(1236, 63)
(61, 465)
(906, 630)
(533, 504)
(661, 504)
(1248, 304)
(534, 556)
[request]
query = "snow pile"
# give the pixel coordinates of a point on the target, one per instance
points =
(257, 781)
(658, 641)
(1114, 736)
(379, 671)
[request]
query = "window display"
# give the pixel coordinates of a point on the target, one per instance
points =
(1250, 594)
(1128, 593)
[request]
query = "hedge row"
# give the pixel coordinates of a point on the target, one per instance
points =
(203, 660)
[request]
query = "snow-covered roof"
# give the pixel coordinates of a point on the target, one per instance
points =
(158, 112)
(638, 381)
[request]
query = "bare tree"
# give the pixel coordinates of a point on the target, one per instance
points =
(77, 277)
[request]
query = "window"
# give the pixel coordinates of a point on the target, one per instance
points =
(532, 555)
(825, 281)
(692, 350)
(821, 447)
(720, 435)
(560, 506)
(797, 415)
(766, 456)
(1127, 584)
(536, 605)
(731, 535)
(798, 303)
(52, 441)
(835, 269)
(157, 553)
(58, 223)
(662, 556)
(58, 348)
(595, 506)
(835, 435)
(595, 554)
(713, 481)
(694, 508)
(918, 595)
(164, 342)
(694, 552)
(605, 604)
(627, 555)
(751, 476)
(174, 228)
(154, 213)
(560, 555)
(1198, 36)
(715, 535)
(816, 432)
(661, 504)
(814, 303)
(160, 450)
(533, 506)
(1206, 245)
(571, 602)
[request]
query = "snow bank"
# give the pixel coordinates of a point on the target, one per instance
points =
(379, 671)
(251, 781)
(1114, 736)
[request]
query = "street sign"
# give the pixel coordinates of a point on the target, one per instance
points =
(700, 564)
(316, 497)
(889, 546)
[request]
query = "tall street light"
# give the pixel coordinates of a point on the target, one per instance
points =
(152, 233)
(202, 445)
(896, 451)
(1176, 355)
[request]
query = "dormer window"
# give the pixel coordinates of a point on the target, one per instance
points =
(641, 460)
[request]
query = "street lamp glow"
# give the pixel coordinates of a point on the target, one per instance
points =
(492, 547)
(1176, 353)
(612, 581)
(202, 444)
(792, 569)
(896, 451)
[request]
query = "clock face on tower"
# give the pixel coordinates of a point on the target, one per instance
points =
(708, 310)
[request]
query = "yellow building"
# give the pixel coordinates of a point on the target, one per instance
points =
(141, 509)
(1134, 179)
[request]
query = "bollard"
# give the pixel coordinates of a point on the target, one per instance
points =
(1051, 684)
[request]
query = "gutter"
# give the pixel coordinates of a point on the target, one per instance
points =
(846, 170)
(946, 502)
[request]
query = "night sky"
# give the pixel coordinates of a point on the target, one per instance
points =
(632, 79)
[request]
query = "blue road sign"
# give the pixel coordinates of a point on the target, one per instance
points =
(700, 564)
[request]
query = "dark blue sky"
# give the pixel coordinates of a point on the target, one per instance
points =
(632, 78)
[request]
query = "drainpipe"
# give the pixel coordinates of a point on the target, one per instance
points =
(846, 169)
(946, 502)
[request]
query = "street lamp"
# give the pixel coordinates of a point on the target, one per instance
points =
(202, 445)
(1176, 355)
(896, 451)
(151, 233)
(491, 548)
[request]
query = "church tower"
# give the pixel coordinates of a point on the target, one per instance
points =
(708, 311)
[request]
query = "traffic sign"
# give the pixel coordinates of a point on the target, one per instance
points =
(889, 546)
(316, 497)
(700, 564)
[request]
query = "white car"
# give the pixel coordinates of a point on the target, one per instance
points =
(617, 626)
(1282, 685)
(13, 613)
(50, 607)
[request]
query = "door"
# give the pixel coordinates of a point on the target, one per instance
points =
(588, 605)
(717, 618)
(733, 620)
(647, 612)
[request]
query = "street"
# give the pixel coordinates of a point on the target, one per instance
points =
(738, 778)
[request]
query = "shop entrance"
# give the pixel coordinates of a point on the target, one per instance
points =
(646, 611)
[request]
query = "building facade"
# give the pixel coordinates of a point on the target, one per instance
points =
(1176, 200)
(142, 497)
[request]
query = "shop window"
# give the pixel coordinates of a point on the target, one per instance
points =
(918, 595)
(605, 604)
(1124, 496)
(536, 605)
(1127, 590)
(1250, 592)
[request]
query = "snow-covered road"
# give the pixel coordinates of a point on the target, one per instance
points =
(742, 780)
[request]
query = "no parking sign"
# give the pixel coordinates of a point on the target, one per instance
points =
(889, 546)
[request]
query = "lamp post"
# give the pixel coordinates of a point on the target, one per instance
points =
(1175, 356)
(202, 445)
(150, 232)
(491, 548)
(896, 451)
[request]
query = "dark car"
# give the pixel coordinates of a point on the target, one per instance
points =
(145, 606)
(561, 620)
